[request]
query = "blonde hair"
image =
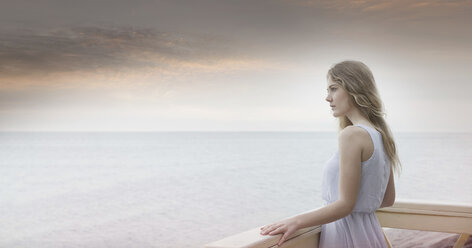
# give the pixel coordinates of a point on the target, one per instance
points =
(357, 79)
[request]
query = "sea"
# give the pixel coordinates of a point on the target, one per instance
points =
(187, 189)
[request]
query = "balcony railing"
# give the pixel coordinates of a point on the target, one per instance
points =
(404, 214)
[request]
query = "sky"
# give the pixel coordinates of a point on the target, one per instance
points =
(220, 65)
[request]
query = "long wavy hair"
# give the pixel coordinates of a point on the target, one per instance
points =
(357, 79)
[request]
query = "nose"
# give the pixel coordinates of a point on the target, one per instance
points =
(328, 98)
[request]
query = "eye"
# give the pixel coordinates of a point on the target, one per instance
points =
(333, 88)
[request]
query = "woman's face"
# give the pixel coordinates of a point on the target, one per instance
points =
(339, 100)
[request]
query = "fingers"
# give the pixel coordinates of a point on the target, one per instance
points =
(272, 229)
(268, 227)
(284, 227)
(276, 229)
(271, 225)
(282, 240)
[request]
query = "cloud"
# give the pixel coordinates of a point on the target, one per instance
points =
(401, 14)
(375, 5)
(94, 49)
(117, 58)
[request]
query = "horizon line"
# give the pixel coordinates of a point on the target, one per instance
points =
(212, 131)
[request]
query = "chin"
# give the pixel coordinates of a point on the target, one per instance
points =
(337, 115)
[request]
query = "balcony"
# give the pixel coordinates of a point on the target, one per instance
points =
(404, 214)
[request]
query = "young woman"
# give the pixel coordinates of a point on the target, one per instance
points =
(358, 179)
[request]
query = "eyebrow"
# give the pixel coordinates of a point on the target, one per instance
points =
(330, 86)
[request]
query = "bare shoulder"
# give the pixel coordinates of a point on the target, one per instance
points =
(353, 141)
(353, 134)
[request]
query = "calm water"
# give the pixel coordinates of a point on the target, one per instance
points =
(188, 189)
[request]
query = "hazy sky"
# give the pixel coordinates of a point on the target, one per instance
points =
(222, 65)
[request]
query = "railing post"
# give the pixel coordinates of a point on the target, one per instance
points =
(389, 245)
(461, 240)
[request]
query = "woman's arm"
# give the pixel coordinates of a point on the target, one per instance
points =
(350, 151)
(389, 197)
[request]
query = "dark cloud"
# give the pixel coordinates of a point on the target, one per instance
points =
(402, 19)
(94, 48)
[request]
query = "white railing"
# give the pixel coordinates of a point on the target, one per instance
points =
(404, 214)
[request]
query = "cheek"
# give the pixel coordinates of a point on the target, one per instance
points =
(346, 99)
(349, 101)
(343, 102)
(340, 98)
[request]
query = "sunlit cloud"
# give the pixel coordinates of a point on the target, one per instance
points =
(96, 50)
(85, 49)
(396, 15)
(375, 5)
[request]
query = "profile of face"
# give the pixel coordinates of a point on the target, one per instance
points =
(339, 99)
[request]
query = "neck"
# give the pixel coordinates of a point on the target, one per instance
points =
(356, 117)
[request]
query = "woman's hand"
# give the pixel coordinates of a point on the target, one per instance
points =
(287, 227)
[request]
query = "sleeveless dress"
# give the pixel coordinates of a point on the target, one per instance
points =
(361, 228)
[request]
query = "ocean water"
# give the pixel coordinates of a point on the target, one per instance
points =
(188, 189)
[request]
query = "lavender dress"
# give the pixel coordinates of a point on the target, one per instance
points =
(361, 228)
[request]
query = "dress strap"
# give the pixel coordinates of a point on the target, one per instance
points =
(373, 133)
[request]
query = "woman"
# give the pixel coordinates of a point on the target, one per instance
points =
(358, 179)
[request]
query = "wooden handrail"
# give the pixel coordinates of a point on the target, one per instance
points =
(404, 214)
(253, 239)
(429, 216)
